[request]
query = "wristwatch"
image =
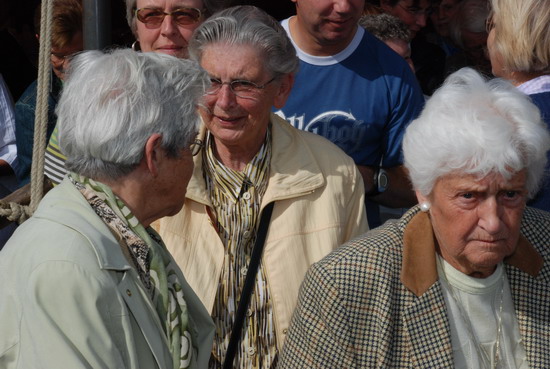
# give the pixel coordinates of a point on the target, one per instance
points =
(380, 182)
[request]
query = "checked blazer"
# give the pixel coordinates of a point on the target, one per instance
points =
(376, 302)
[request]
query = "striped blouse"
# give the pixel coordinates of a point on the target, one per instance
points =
(236, 197)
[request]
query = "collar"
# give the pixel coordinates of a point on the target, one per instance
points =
(64, 204)
(325, 60)
(419, 268)
(537, 85)
(293, 170)
(230, 182)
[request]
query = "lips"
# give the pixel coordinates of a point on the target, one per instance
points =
(170, 47)
(227, 120)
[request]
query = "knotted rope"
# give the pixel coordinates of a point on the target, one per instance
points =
(15, 211)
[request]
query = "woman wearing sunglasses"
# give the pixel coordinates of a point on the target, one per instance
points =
(165, 26)
(162, 26)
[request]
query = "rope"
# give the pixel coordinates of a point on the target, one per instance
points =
(14, 211)
(41, 119)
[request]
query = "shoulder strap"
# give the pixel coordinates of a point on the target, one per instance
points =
(248, 286)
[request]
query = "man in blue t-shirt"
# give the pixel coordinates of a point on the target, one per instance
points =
(355, 91)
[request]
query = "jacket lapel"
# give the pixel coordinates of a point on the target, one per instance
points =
(425, 316)
(425, 322)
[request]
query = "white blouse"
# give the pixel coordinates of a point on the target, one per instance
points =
(476, 307)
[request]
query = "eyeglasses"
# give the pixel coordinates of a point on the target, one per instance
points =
(196, 146)
(240, 87)
(198, 143)
(416, 11)
(153, 18)
(57, 58)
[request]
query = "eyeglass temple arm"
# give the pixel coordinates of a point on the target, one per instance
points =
(199, 140)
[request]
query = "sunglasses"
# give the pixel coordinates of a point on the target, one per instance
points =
(153, 18)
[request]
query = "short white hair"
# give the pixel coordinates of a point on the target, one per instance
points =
(113, 102)
(474, 126)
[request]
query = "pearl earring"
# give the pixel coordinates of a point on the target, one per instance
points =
(425, 207)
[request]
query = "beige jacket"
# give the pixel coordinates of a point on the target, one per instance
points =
(319, 204)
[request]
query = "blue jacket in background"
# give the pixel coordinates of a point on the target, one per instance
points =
(24, 125)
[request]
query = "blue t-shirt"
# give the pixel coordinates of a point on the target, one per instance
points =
(361, 99)
(542, 199)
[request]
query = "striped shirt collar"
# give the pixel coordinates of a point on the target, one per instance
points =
(233, 182)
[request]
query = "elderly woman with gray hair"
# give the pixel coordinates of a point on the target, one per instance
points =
(259, 184)
(86, 282)
(463, 279)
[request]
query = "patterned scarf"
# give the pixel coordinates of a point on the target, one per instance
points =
(152, 262)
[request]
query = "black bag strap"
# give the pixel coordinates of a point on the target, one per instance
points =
(249, 281)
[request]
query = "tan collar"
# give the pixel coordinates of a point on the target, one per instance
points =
(419, 270)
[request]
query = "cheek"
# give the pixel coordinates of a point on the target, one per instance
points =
(453, 228)
(146, 38)
(187, 32)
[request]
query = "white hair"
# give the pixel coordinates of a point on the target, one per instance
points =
(474, 126)
(247, 25)
(113, 102)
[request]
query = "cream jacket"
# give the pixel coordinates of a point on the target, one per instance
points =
(319, 204)
(70, 299)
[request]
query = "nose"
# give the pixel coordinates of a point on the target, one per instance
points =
(489, 213)
(169, 26)
(342, 6)
(421, 20)
(225, 98)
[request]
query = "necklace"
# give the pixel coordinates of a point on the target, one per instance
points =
(485, 356)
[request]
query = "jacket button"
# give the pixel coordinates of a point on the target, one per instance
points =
(285, 331)
(129, 293)
(246, 196)
(251, 351)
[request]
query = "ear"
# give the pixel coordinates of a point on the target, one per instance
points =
(285, 86)
(153, 154)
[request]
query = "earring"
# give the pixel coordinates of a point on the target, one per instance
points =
(425, 207)
(136, 46)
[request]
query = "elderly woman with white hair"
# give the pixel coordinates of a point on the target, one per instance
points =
(86, 282)
(462, 280)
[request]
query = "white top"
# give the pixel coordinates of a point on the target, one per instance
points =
(8, 149)
(473, 309)
(325, 60)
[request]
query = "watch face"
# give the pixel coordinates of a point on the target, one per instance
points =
(382, 181)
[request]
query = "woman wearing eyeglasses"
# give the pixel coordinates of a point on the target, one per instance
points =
(252, 160)
(166, 26)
